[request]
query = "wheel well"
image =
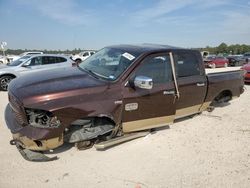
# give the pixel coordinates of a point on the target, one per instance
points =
(78, 59)
(12, 75)
(224, 96)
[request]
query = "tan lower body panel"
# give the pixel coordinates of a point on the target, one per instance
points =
(43, 144)
(205, 106)
(162, 121)
(147, 123)
(187, 111)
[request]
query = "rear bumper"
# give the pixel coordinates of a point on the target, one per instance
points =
(28, 136)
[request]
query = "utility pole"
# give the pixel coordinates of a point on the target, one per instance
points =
(3, 44)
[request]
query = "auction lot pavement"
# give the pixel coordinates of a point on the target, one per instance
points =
(208, 150)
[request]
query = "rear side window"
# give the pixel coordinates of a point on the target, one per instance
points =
(156, 67)
(47, 60)
(60, 59)
(187, 64)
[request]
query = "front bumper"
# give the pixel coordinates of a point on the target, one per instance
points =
(29, 137)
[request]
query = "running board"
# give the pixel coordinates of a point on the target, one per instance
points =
(118, 140)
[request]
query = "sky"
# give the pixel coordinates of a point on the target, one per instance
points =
(93, 24)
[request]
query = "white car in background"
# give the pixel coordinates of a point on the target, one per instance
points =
(31, 64)
(10, 58)
(82, 56)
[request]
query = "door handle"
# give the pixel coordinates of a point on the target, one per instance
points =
(200, 84)
(168, 92)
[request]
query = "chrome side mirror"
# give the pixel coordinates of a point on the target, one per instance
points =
(143, 82)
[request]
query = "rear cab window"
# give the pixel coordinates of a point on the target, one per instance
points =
(187, 64)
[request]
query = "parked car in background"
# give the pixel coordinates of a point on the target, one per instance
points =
(30, 53)
(3, 60)
(215, 61)
(247, 72)
(78, 58)
(247, 57)
(28, 63)
(236, 60)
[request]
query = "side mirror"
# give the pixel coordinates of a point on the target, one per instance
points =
(25, 65)
(143, 82)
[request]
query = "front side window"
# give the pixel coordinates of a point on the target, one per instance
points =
(85, 54)
(156, 67)
(36, 61)
(108, 63)
(187, 64)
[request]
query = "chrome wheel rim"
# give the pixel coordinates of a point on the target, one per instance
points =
(5, 83)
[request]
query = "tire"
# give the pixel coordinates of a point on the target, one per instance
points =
(225, 65)
(78, 61)
(213, 66)
(4, 82)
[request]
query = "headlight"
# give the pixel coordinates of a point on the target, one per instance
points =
(42, 119)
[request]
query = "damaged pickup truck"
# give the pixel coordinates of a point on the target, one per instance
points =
(118, 94)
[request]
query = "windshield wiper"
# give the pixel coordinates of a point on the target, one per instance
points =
(92, 73)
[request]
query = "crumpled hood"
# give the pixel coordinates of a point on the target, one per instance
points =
(52, 81)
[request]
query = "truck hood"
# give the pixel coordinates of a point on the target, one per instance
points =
(46, 82)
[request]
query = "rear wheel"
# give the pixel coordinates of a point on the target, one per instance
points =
(4, 82)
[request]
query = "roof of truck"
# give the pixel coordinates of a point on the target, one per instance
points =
(140, 48)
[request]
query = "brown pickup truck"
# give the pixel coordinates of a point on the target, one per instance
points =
(118, 94)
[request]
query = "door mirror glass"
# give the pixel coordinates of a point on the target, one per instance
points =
(143, 82)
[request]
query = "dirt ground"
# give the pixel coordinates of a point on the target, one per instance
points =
(208, 150)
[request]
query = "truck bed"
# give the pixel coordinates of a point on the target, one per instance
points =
(227, 80)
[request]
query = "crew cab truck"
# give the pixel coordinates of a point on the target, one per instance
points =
(118, 94)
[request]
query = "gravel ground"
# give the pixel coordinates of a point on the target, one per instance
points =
(208, 150)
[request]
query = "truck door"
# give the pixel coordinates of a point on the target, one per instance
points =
(191, 80)
(146, 108)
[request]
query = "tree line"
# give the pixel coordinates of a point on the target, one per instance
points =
(223, 48)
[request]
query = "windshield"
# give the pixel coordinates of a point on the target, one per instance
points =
(18, 61)
(108, 63)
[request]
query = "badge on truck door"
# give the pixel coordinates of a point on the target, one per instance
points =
(131, 106)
